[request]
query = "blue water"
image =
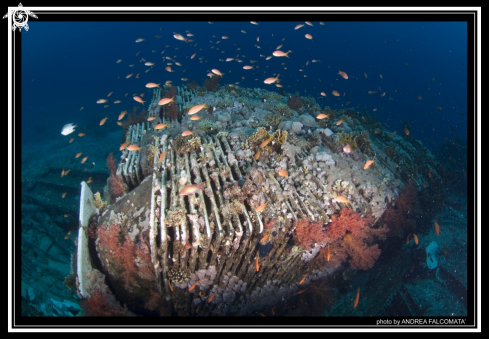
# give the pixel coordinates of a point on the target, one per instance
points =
(72, 64)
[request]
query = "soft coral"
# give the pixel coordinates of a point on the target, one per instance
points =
(307, 233)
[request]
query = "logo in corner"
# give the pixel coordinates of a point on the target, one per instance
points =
(20, 17)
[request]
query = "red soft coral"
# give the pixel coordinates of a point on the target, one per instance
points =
(348, 220)
(307, 233)
(98, 305)
(363, 257)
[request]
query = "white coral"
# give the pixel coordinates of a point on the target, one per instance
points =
(296, 127)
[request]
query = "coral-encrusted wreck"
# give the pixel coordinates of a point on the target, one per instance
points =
(216, 252)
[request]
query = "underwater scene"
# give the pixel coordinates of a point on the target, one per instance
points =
(237, 168)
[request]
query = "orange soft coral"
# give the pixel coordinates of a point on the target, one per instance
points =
(307, 233)
(347, 221)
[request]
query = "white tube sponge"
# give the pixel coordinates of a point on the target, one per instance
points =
(431, 260)
(87, 209)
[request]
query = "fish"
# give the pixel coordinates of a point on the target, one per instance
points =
(308, 36)
(420, 97)
(128, 76)
(160, 126)
(191, 189)
(105, 106)
(122, 115)
(108, 95)
(212, 296)
(196, 109)
(372, 92)
(303, 279)
(180, 37)
(133, 148)
(268, 57)
(117, 102)
(89, 180)
(269, 81)
(368, 164)
(138, 99)
(357, 298)
(407, 239)
(161, 156)
(257, 155)
(63, 195)
(406, 131)
(365, 74)
(124, 145)
(140, 40)
(78, 154)
(169, 284)
(67, 216)
(103, 121)
(281, 53)
(309, 23)
(343, 74)
(81, 134)
(71, 140)
(266, 142)
(254, 22)
(67, 171)
(257, 264)
(261, 207)
(193, 285)
(328, 256)
(216, 71)
(264, 238)
(84, 159)
(62, 173)
(383, 94)
(302, 291)
(165, 101)
(415, 238)
(195, 117)
(322, 116)
(247, 67)
(298, 26)
(229, 59)
(339, 122)
(186, 133)
(375, 109)
(68, 129)
(335, 93)
(283, 173)
(118, 61)
(347, 149)
(323, 94)
(437, 228)
(381, 77)
(151, 118)
(342, 199)
(101, 101)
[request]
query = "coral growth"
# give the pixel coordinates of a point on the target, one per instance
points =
(171, 110)
(282, 110)
(116, 183)
(133, 119)
(308, 233)
(294, 102)
(211, 84)
(98, 305)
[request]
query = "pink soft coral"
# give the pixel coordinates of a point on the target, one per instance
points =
(307, 233)
(348, 220)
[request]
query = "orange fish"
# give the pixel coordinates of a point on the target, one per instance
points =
(383, 94)
(81, 134)
(355, 303)
(323, 94)
(281, 53)
(322, 116)
(303, 279)
(343, 74)
(67, 237)
(122, 115)
(138, 99)
(161, 156)
(119, 123)
(67, 171)
(196, 109)
(78, 155)
(257, 155)
(269, 81)
(166, 101)
(152, 85)
(328, 256)
(339, 122)
(151, 118)
(191, 189)
(368, 164)
(309, 23)
(407, 240)
(381, 77)
(160, 126)
(71, 140)
(365, 75)
(193, 286)
(261, 207)
(63, 195)
(212, 296)
(335, 93)
(133, 148)
(283, 173)
(264, 238)
(347, 149)
(128, 76)
(299, 26)
(171, 288)
(216, 71)
(302, 291)
(84, 159)
(416, 241)
(257, 264)
(195, 117)
(117, 102)
(62, 173)
(103, 121)
(266, 142)
(124, 145)
(89, 180)
(101, 101)
(406, 131)
(247, 67)
(105, 106)
(372, 92)
(437, 228)
(308, 36)
(185, 133)
(342, 199)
